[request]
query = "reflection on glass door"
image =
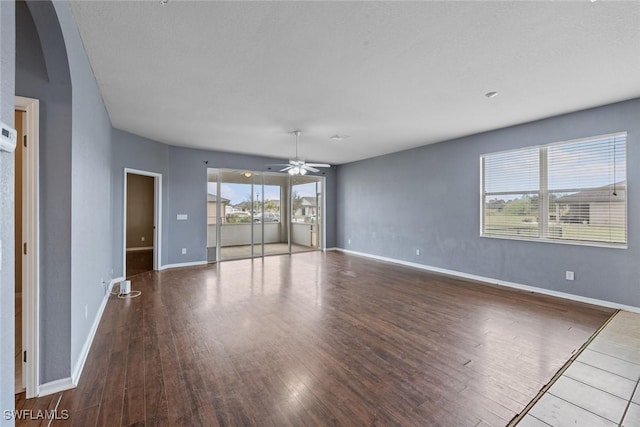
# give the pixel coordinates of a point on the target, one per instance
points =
(252, 214)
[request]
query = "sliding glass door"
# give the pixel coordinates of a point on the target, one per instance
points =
(253, 214)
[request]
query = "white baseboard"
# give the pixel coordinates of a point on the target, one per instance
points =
(143, 248)
(182, 264)
(113, 282)
(77, 371)
(492, 281)
(55, 386)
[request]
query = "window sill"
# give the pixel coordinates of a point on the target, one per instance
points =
(560, 242)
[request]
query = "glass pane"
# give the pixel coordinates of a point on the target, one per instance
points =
(587, 164)
(512, 171)
(237, 220)
(588, 215)
(306, 203)
(212, 207)
(257, 214)
(587, 190)
(511, 215)
(274, 223)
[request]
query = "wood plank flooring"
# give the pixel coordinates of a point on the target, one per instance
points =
(319, 339)
(139, 261)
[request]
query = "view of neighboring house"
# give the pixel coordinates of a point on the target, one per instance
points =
(212, 207)
(306, 208)
(594, 206)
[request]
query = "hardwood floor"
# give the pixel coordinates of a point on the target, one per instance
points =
(244, 251)
(139, 261)
(320, 339)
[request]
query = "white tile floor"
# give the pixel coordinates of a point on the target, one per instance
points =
(600, 388)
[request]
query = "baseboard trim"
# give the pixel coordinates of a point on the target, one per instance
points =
(113, 282)
(55, 386)
(142, 248)
(77, 371)
(491, 281)
(182, 264)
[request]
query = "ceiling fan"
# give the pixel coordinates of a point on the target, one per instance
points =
(298, 166)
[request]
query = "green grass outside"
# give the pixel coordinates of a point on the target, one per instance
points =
(526, 226)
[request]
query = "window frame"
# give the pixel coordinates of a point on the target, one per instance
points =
(543, 195)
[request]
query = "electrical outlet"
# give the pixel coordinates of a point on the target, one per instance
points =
(184, 251)
(348, 241)
(142, 239)
(86, 312)
(417, 251)
(569, 275)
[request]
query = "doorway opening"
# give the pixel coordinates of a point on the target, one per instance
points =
(142, 195)
(26, 247)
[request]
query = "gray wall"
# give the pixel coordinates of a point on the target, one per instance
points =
(42, 72)
(7, 84)
(134, 152)
(91, 234)
(184, 192)
(428, 199)
(75, 180)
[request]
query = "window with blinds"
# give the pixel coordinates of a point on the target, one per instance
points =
(574, 192)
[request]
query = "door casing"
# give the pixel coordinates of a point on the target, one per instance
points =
(157, 218)
(31, 236)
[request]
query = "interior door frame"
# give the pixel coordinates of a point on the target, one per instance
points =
(31, 236)
(157, 218)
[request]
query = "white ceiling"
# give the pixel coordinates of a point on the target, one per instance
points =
(238, 76)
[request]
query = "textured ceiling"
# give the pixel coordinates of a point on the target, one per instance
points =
(238, 76)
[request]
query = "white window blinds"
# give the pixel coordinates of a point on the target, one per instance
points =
(571, 191)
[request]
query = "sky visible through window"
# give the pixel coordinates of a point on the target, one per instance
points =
(571, 166)
(239, 193)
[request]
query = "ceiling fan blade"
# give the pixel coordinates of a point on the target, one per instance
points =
(286, 169)
(310, 168)
(319, 165)
(279, 164)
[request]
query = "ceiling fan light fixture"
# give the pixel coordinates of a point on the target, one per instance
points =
(297, 166)
(247, 174)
